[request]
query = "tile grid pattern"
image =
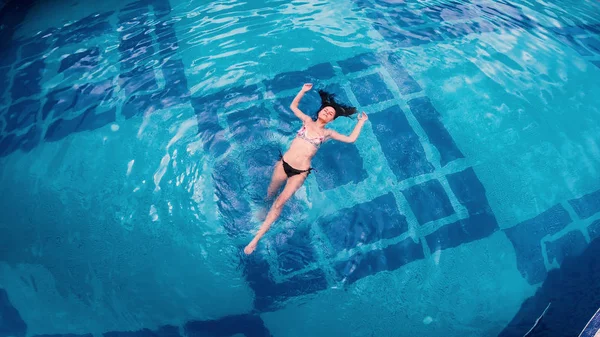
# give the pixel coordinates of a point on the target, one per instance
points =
(35, 114)
(436, 188)
(428, 199)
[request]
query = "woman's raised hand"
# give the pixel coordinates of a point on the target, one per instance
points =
(362, 116)
(306, 87)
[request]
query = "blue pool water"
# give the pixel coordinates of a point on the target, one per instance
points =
(137, 141)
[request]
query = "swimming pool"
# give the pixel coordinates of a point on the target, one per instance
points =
(137, 140)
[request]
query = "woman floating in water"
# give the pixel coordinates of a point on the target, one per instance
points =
(294, 165)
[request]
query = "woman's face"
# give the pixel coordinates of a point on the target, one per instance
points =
(327, 114)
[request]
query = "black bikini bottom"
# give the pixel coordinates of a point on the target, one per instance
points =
(289, 170)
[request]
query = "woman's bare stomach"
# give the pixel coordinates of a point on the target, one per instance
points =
(300, 154)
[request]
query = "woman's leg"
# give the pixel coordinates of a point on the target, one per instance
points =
(277, 179)
(292, 185)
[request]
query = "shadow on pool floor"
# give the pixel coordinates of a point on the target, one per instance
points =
(573, 292)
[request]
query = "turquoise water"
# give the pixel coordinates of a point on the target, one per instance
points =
(138, 139)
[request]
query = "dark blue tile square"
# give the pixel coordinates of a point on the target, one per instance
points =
(132, 17)
(457, 11)
(2, 122)
(31, 139)
(79, 35)
(399, 143)
(4, 80)
(475, 227)
(568, 30)
(405, 17)
(508, 14)
(259, 163)
(175, 79)
(462, 29)
(270, 294)
(92, 94)
(66, 335)
(8, 144)
(34, 49)
(140, 78)
(136, 6)
(213, 103)
(370, 89)
(338, 164)
(587, 205)
(302, 284)
(167, 38)
(25, 142)
(571, 42)
(364, 223)
(249, 126)
(8, 54)
(428, 201)
(403, 252)
(296, 79)
(469, 191)
(571, 244)
(434, 13)
(358, 62)
(591, 43)
(93, 119)
(405, 39)
(236, 325)
(594, 229)
(136, 40)
(81, 61)
(138, 105)
(136, 48)
(161, 8)
(21, 115)
(164, 331)
(431, 121)
(27, 80)
(61, 128)
(336, 90)
(11, 323)
(384, 26)
(58, 101)
(594, 28)
(207, 107)
(526, 237)
(294, 249)
(169, 97)
(228, 181)
(88, 22)
(361, 265)
(596, 63)
(390, 258)
(406, 84)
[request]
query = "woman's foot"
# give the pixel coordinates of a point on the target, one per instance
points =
(250, 248)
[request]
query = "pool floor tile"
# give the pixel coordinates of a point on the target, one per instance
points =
(428, 201)
(364, 223)
(400, 144)
(370, 89)
(526, 239)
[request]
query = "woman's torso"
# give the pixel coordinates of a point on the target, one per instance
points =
(305, 145)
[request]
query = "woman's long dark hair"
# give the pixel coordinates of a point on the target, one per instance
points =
(328, 99)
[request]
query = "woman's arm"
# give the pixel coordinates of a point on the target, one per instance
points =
(294, 106)
(354, 135)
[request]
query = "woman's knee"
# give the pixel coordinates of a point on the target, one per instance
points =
(279, 203)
